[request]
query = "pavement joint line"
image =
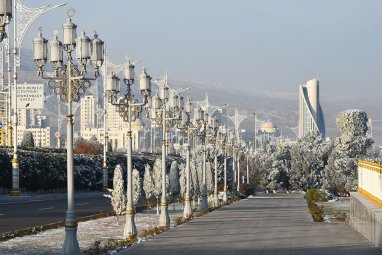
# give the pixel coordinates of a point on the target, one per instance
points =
(41, 200)
(1, 214)
(46, 208)
(29, 201)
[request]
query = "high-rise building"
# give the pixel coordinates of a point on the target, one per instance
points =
(311, 117)
(115, 125)
(88, 112)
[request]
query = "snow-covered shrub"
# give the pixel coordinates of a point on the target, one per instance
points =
(28, 140)
(118, 196)
(157, 177)
(182, 180)
(148, 183)
(138, 196)
(340, 175)
(173, 178)
(307, 162)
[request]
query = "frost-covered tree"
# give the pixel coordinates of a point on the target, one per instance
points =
(93, 139)
(273, 162)
(148, 182)
(28, 140)
(138, 195)
(340, 175)
(307, 162)
(157, 177)
(195, 185)
(210, 176)
(173, 178)
(118, 196)
(182, 179)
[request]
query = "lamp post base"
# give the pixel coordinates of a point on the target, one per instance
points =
(225, 198)
(187, 208)
(216, 200)
(204, 204)
(130, 228)
(15, 192)
(104, 178)
(71, 246)
(164, 218)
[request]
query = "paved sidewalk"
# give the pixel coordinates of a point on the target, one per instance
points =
(267, 224)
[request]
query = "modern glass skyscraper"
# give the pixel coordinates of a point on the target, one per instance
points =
(311, 117)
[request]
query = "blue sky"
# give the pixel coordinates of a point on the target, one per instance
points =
(260, 45)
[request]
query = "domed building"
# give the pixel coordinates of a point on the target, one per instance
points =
(268, 127)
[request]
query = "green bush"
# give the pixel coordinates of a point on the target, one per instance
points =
(316, 195)
(247, 189)
(313, 196)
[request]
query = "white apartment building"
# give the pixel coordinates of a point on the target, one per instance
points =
(42, 135)
(116, 129)
(88, 112)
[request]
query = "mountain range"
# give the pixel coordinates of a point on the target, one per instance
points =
(279, 107)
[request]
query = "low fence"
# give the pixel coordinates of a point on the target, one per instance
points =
(370, 181)
(366, 203)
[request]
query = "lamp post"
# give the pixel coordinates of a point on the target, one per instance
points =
(23, 17)
(191, 131)
(105, 72)
(5, 17)
(214, 140)
(249, 154)
(6, 14)
(70, 83)
(166, 110)
(188, 127)
(201, 117)
(129, 108)
(222, 139)
(231, 143)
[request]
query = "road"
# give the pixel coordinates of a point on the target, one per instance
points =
(31, 211)
(265, 225)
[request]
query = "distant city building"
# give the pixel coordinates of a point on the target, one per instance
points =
(115, 125)
(41, 136)
(33, 120)
(88, 112)
(311, 117)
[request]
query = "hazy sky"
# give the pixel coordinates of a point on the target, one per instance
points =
(271, 45)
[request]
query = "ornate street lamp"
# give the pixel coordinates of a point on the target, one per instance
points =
(240, 147)
(129, 108)
(70, 84)
(202, 119)
(190, 130)
(166, 110)
(222, 139)
(231, 142)
(213, 139)
(249, 152)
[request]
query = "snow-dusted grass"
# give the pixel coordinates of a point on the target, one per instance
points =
(50, 241)
(335, 210)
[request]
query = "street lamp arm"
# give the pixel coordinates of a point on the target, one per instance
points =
(26, 17)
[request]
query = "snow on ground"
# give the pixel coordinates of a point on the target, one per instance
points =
(335, 208)
(50, 241)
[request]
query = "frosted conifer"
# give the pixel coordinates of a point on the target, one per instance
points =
(118, 196)
(28, 140)
(148, 182)
(174, 179)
